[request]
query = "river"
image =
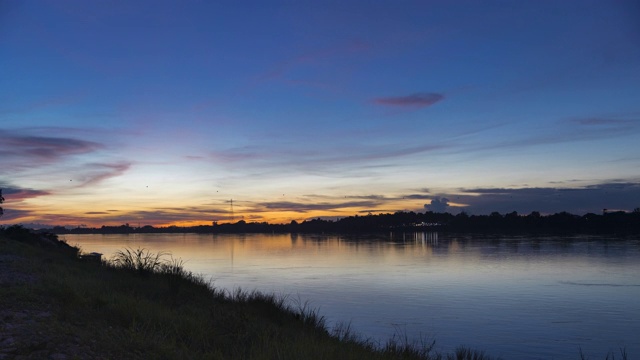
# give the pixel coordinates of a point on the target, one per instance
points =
(514, 297)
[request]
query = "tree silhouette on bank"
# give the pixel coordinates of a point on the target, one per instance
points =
(1, 201)
(618, 222)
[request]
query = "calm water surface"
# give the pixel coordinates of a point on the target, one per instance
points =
(514, 297)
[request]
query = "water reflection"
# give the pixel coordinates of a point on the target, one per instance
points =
(514, 296)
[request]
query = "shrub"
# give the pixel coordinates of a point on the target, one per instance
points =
(143, 261)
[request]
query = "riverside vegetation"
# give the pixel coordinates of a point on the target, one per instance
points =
(56, 303)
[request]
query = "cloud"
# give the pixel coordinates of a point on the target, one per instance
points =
(377, 211)
(352, 159)
(573, 130)
(13, 215)
(44, 103)
(419, 196)
(168, 215)
(369, 197)
(316, 56)
(44, 147)
(414, 100)
(156, 217)
(306, 207)
(605, 121)
(14, 194)
(579, 200)
(240, 154)
(21, 151)
(438, 205)
(14, 198)
(99, 172)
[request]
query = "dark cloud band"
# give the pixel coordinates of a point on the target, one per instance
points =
(413, 100)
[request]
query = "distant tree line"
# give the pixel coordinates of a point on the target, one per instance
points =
(618, 222)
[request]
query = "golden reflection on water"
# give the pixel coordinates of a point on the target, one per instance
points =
(337, 250)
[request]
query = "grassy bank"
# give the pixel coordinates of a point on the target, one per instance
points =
(54, 304)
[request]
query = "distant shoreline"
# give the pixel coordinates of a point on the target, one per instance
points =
(616, 223)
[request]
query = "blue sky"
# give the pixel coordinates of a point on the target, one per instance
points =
(160, 112)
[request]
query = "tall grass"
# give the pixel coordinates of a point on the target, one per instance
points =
(140, 260)
(309, 315)
(610, 355)
(463, 353)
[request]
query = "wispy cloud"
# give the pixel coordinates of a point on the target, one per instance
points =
(309, 69)
(605, 121)
(12, 215)
(235, 155)
(156, 217)
(99, 172)
(14, 201)
(370, 197)
(28, 155)
(571, 130)
(167, 216)
(44, 147)
(315, 56)
(417, 100)
(42, 104)
(15, 194)
(372, 211)
(419, 196)
(19, 151)
(356, 158)
(300, 207)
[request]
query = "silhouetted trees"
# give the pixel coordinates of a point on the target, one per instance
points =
(619, 222)
(1, 201)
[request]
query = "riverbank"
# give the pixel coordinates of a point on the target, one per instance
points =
(55, 305)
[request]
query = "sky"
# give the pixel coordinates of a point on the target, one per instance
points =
(188, 112)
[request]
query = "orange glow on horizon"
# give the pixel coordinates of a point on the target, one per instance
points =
(133, 218)
(105, 210)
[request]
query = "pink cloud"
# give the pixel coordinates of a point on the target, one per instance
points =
(18, 194)
(37, 150)
(102, 172)
(413, 100)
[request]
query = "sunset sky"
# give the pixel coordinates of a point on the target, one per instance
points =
(161, 112)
